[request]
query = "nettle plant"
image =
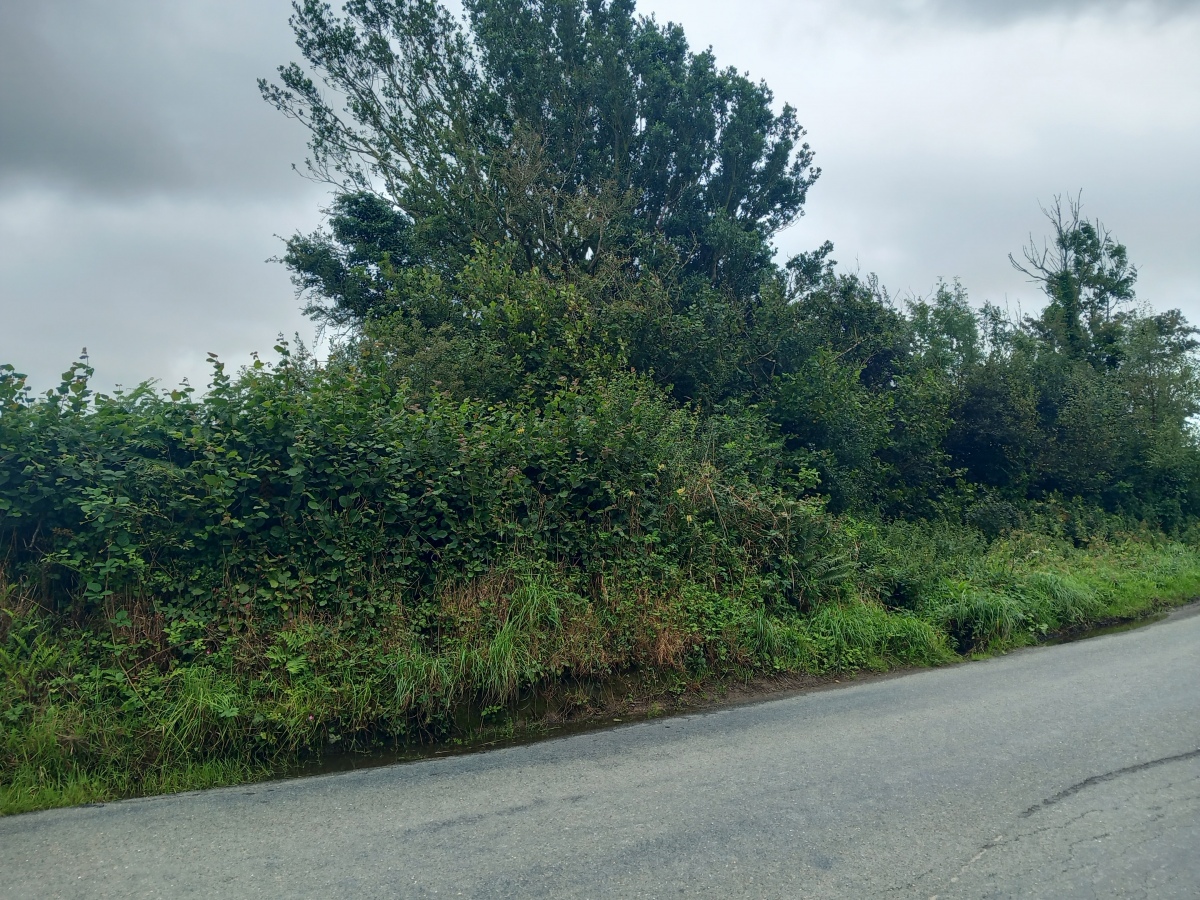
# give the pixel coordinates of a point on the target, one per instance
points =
(332, 487)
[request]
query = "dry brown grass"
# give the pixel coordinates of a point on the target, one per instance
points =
(661, 638)
(14, 604)
(145, 629)
(469, 605)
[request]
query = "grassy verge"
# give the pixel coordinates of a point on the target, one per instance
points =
(1026, 588)
(133, 702)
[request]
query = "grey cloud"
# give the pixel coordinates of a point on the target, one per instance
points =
(938, 141)
(149, 286)
(142, 179)
(61, 121)
(1007, 11)
(132, 97)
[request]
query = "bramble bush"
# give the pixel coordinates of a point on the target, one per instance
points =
(299, 486)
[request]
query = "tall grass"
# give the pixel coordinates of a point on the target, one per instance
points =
(119, 705)
(863, 635)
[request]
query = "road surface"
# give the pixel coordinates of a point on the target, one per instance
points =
(1068, 771)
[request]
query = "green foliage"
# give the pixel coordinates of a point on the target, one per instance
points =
(1026, 586)
(129, 702)
(1087, 278)
(577, 426)
(299, 486)
(866, 636)
(575, 131)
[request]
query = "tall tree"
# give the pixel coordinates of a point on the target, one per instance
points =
(573, 129)
(1087, 278)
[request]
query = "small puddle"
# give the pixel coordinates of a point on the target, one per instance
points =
(519, 726)
(398, 751)
(1071, 637)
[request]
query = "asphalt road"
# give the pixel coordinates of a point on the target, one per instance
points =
(1069, 771)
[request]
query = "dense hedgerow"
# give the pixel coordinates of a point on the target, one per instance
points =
(305, 487)
(198, 589)
(312, 554)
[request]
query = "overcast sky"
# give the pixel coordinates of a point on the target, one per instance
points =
(143, 181)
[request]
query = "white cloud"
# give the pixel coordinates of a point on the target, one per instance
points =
(938, 138)
(149, 285)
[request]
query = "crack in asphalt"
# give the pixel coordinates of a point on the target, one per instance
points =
(1003, 840)
(1107, 776)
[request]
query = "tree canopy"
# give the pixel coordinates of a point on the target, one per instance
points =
(574, 130)
(555, 190)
